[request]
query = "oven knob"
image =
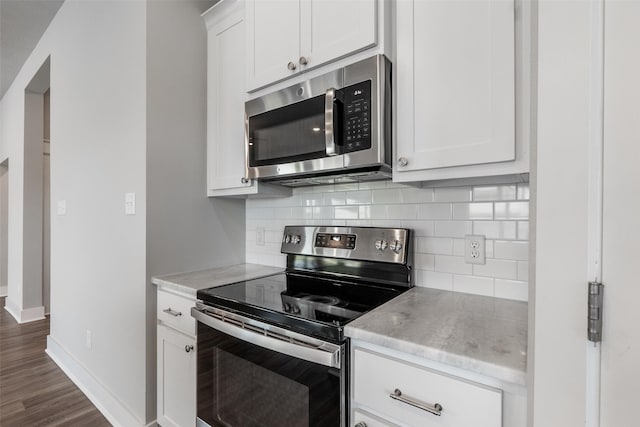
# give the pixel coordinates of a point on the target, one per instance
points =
(381, 245)
(396, 246)
(295, 239)
(361, 424)
(287, 238)
(287, 307)
(295, 309)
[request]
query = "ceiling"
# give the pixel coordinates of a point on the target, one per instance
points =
(22, 23)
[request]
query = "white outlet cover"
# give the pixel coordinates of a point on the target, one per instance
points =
(474, 249)
(130, 203)
(62, 207)
(260, 236)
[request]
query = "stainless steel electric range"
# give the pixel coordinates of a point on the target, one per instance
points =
(272, 351)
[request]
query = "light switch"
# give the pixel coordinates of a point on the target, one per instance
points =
(130, 203)
(62, 207)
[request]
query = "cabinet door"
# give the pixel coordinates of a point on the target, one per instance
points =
(176, 378)
(331, 29)
(455, 74)
(225, 98)
(273, 31)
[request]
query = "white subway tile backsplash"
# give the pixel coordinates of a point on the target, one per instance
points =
(439, 219)
(494, 192)
(452, 264)
(435, 280)
(495, 229)
(512, 250)
(473, 285)
(373, 212)
(523, 230)
(452, 228)
(401, 211)
(371, 185)
(498, 268)
(523, 270)
(523, 191)
(424, 261)
(323, 212)
(419, 228)
(416, 195)
(452, 194)
(434, 245)
(346, 212)
(386, 196)
(511, 289)
(464, 211)
(434, 211)
(362, 197)
(512, 210)
(335, 198)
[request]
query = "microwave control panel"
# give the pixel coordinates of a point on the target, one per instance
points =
(357, 117)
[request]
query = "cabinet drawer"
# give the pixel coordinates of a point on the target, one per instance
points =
(363, 419)
(463, 403)
(175, 311)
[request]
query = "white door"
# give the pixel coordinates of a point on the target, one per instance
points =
(330, 29)
(273, 40)
(620, 368)
(588, 91)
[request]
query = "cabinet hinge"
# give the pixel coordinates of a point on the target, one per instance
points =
(594, 313)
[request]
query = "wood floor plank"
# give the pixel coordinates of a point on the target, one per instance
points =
(33, 389)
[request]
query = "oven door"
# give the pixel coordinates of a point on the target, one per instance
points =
(251, 374)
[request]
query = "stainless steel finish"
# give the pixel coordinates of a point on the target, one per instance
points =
(435, 409)
(303, 60)
(594, 313)
(291, 65)
(244, 180)
(366, 243)
(171, 312)
(375, 69)
(269, 336)
(403, 161)
(329, 131)
(381, 245)
(188, 348)
(200, 423)
(396, 246)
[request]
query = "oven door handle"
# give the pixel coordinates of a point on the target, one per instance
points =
(329, 125)
(325, 354)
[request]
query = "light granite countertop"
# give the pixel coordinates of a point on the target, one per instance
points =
(479, 334)
(192, 281)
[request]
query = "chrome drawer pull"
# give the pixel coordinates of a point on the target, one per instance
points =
(171, 312)
(435, 409)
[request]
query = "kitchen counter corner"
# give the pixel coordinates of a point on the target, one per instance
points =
(480, 334)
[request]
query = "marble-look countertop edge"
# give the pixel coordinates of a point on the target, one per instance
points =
(190, 282)
(501, 373)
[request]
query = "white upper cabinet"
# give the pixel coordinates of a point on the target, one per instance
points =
(286, 37)
(456, 89)
(225, 105)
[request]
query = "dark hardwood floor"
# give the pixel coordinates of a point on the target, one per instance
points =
(33, 389)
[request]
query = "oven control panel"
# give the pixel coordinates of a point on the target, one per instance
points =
(336, 241)
(363, 243)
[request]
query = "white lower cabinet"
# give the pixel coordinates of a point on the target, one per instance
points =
(176, 361)
(402, 393)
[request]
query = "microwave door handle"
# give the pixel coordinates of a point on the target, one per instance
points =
(329, 128)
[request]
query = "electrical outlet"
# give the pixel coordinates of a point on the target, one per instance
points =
(474, 249)
(129, 203)
(88, 339)
(260, 236)
(62, 207)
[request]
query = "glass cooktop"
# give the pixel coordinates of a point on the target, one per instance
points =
(308, 304)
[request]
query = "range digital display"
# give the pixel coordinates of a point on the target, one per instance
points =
(335, 241)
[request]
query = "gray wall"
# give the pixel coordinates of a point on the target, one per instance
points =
(185, 229)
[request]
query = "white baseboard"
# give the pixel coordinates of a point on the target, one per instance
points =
(108, 404)
(26, 315)
(4, 291)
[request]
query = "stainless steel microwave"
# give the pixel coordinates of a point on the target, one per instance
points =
(332, 128)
